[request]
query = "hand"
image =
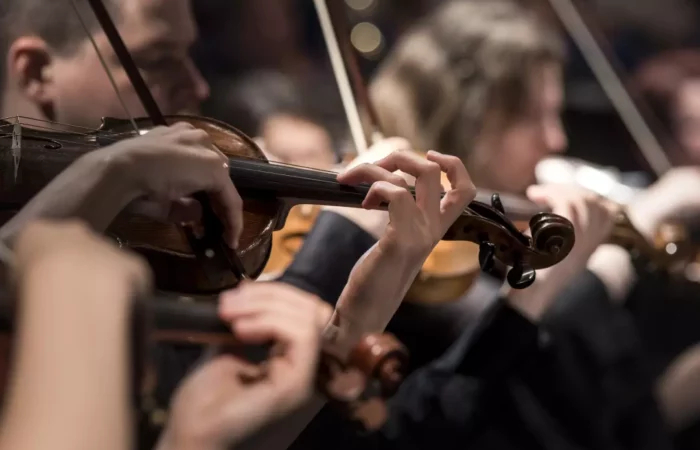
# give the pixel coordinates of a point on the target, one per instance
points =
(373, 222)
(214, 408)
(591, 215)
(170, 163)
(71, 248)
(379, 281)
(673, 196)
(415, 226)
(592, 218)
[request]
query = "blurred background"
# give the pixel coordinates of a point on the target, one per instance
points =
(261, 56)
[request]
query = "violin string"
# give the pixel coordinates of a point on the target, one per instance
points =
(104, 65)
(253, 165)
(22, 121)
(90, 132)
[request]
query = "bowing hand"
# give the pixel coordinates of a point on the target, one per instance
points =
(228, 399)
(169, 164)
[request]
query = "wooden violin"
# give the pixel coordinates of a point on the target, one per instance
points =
(667, 250)
(358, 383)
(269, 190)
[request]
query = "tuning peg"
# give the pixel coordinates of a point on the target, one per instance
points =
(497, 204)
(520, 278)
(487, 254)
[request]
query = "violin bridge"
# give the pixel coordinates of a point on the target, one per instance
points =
(16, 146)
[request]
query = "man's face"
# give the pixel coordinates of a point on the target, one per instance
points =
(158, 34)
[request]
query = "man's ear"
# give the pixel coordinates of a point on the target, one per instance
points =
(30, 69)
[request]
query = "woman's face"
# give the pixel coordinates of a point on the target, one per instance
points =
(687, 117)
(511, 154)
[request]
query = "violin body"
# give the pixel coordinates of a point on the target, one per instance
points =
(288, 241)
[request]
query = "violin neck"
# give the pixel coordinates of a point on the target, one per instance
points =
(294, 185)
(256, 179)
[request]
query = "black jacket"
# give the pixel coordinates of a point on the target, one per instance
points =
(579, 380)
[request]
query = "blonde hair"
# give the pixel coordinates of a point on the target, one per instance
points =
(468, 60)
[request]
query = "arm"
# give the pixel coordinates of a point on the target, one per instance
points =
(592, 219)
(379, 282)
(71, 391)
(93, 189)
(330, 251)
(218, 406)
(339, 238)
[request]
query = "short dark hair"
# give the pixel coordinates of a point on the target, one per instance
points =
(54, 21)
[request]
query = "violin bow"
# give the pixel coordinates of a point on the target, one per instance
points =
(336, 34)
(603, 67)
(209, 247)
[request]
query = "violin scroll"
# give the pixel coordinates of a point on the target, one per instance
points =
(382, 357)
(371, 374)
(552, 234)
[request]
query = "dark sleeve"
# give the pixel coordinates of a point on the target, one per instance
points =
(599, 364)
(331, 249)
(441, 405)
(585, 320)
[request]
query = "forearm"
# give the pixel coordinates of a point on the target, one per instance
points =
(69, 382)
(375, 290)
(281, 434)
(94, 189)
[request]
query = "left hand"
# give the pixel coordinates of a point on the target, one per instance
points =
(373, 222)
(415, 226)
(673, 196)
(379, 281)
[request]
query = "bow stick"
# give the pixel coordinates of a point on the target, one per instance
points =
(604, 71)
(344, 61)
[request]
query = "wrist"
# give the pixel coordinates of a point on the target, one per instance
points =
(115, 183)
(375, 290)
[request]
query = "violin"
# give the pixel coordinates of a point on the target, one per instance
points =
(358, 384)
(269, 191)
(667, 251)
